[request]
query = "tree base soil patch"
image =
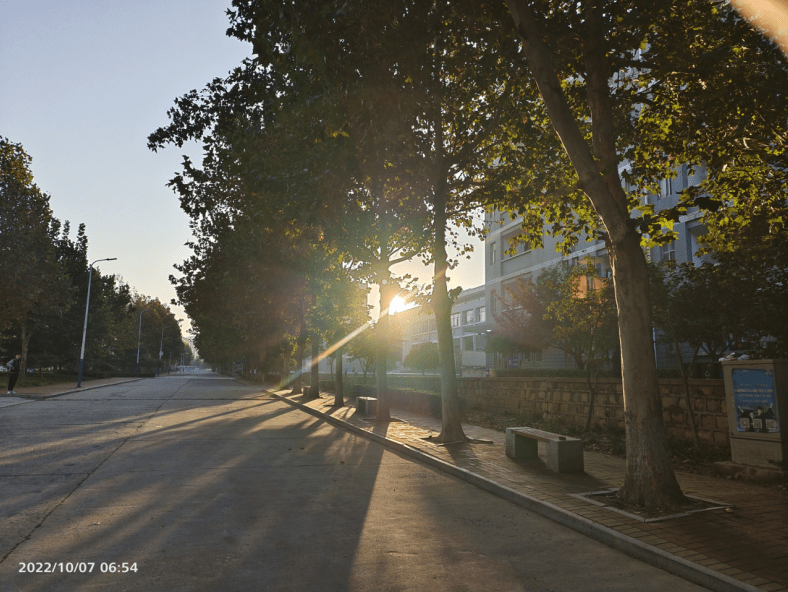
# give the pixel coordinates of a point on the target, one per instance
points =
(609, 500)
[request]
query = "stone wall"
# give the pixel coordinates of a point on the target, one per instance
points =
(568, 397)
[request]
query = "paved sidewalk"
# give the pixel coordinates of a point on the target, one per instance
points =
(744, 545)
(62, 388)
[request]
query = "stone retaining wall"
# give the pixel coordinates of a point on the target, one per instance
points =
(568, 397)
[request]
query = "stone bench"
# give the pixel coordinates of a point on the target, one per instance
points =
(367, 405)
(564, 454)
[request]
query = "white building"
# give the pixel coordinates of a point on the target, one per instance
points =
(470, 325)
(503, 270)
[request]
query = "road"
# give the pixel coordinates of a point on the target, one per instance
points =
(203, 483)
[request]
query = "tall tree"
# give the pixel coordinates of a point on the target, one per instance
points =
(323, 162)
(612, 81)
(34, 284)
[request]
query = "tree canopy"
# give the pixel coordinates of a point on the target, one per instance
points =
(364, 130)
(45, 284)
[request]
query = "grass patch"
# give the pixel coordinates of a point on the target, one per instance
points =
(47, 379)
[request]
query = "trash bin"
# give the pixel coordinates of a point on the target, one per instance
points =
(756, 393)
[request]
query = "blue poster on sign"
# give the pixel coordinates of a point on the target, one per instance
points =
(755, 401)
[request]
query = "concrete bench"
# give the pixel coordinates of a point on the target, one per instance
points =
(564, 454)
(367, 405)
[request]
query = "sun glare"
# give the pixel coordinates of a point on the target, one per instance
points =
(398, 304)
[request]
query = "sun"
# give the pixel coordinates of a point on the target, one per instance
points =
(398, 304)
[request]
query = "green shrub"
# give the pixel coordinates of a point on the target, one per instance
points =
(99, 374)
(545, 372)
(362, 390)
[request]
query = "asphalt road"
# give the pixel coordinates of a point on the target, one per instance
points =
(207, 484)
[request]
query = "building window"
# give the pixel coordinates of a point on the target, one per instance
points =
(667, 252)
(467, 343)
(468, 318)
(492, 253)
(481, 342)
(513, 289)
(665, 188)
(516, 249)
(455, 319)
(482, 314)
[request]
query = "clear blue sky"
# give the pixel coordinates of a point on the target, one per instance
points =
(83, 84)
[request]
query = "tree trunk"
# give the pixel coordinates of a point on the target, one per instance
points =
(685, 388)
(383, 334)
(381, 356)
(285, 367)
(589, 367)
(26, 334)
(649, 480)
(339, 386)
(314, 390)
(451, 429)
(302, 335)
(591, 399)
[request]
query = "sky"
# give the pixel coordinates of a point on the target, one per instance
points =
(83, 84)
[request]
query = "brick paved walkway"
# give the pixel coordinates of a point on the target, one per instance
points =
(747, 540)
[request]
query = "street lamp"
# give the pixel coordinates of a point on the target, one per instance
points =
(85, 328)
(161, 345)
(139, 337)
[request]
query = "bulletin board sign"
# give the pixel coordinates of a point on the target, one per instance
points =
(755, 400)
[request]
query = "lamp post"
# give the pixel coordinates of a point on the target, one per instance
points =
(139, 338)
(85, 328)
(161, 345)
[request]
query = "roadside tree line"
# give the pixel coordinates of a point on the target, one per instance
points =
(44, 285)
(360, 134)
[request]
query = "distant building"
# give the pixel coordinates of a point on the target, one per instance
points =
(503, 270)
(470, 326)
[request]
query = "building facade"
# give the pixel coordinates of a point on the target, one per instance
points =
(470, 325)
(508, 261)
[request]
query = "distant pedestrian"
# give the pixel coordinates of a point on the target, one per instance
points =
(13, 373)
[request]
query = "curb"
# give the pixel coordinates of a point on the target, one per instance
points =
(76, 390)
(678, 566)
